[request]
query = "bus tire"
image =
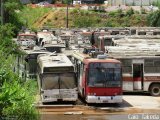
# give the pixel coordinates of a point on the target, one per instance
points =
(155, 90)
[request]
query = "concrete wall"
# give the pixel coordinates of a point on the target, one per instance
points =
(132, 2)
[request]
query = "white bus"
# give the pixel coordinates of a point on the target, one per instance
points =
(56, 78)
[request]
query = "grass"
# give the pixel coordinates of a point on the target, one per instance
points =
(30, 15)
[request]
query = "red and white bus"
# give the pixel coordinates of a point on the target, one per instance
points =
(99, 79)
(140, 65)
(141, 73)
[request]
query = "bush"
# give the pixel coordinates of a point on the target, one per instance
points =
(143, 11)
(16, 98)
(118, 13)
(67, 1)
(98, 20)
(138, 18)
(113, 13)
(130, 12)
(75, 11)
(17, 102)
(156, 4)
(153, 19)
(110, 23)
(84, 21)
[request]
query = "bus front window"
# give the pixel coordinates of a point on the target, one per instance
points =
(96, 77)
(104, 76)
(58, 81)
(50, 81)
(113, 77)
(67, 80)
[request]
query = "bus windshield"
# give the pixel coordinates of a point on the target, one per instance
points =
(58, 81)
(104, 75)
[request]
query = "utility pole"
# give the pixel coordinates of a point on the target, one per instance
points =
(67, 16)
(2, 12)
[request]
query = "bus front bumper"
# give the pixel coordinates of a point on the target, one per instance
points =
(46, 100)
(57, 98)
(104, 99)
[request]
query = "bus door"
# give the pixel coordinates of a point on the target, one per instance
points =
(81, 82)
(137, 76)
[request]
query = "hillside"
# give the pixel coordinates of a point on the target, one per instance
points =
(82, 18)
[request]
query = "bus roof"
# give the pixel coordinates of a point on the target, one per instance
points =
(88, 59)
(137, 57)
(35, 50)
(53, 60)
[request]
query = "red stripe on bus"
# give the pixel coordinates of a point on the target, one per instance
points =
(152, 78)
(127, 79)
(137, 79)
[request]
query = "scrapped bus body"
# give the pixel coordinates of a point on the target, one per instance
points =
(141, 73)
(99, 79)
(56, 78)
(26, 39)
(26, 63)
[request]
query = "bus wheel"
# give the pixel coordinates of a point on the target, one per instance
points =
(155, 90)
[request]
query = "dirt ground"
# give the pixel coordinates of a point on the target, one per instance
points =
(133, 105)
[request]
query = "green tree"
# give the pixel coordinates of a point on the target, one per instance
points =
(11, 7)
(7, 44)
